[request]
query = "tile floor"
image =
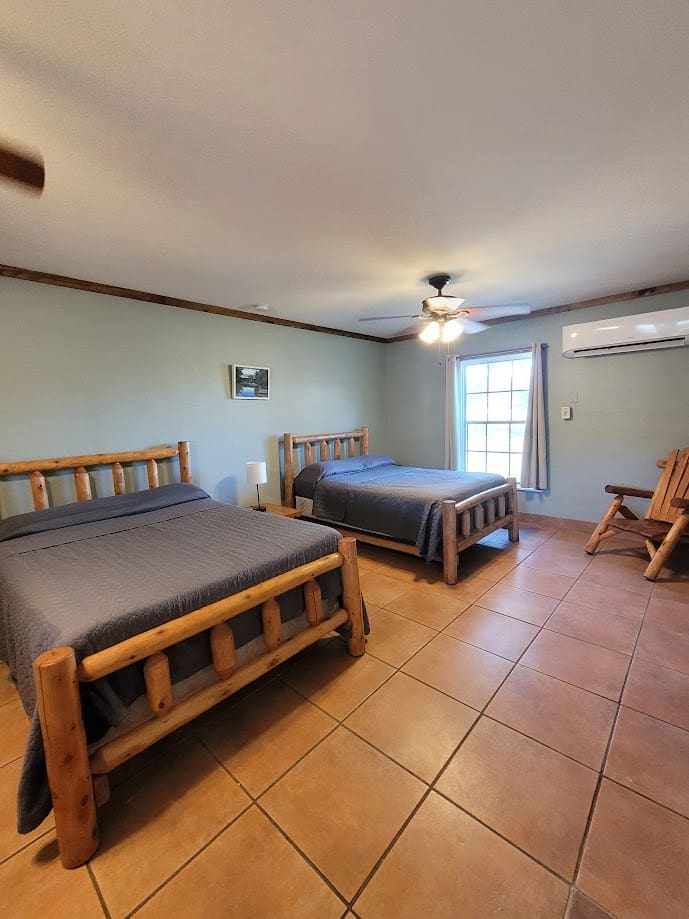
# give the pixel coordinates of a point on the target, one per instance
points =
(515, 746)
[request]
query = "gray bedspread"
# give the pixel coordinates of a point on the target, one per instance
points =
(401, 502)
(94, 582)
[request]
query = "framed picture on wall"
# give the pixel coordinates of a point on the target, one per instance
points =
(250, 382)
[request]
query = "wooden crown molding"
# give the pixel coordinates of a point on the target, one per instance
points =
(58, 280)
(580, 305)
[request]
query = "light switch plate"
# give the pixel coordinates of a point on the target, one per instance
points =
(565, 412)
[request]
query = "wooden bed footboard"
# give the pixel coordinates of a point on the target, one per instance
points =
(79, 781)
(474, 518)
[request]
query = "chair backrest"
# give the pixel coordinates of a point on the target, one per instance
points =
(673, 483)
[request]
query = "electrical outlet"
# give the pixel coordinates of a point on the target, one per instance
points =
(566, 412)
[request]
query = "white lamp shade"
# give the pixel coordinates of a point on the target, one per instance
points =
(431, 333)
(452, 330)
(256, 473)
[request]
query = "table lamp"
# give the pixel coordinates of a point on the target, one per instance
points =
(256, 475)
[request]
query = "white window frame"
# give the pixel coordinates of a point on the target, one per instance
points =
(462, 362)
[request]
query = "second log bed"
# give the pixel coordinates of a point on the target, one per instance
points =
(467, 506)
(142, 594)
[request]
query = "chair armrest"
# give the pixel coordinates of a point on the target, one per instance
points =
(680, 502)
(628, 492)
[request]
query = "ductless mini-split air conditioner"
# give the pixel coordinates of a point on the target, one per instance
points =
(644, 332)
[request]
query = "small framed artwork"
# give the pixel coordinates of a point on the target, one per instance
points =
(250, 382)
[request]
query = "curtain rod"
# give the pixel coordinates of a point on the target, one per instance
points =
(473, 357)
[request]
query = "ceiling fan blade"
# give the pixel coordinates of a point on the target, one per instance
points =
(497, 312)
(470, 326)
(380, 318)
(26, 170)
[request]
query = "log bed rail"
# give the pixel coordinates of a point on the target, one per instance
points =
(78, 779)
(463, 522)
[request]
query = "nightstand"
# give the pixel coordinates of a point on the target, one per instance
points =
(282, 511)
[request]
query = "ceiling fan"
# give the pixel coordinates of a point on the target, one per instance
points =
(446, 318)
(24, 169)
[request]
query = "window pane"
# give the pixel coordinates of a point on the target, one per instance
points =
(516, 465)
(476, 409)
(499, 406)
(498, 463)
(521, 373)
(499, 376)
(476, 437)
(476, 462)
(476, 377)
(499, 437)
(520, 402)
(516, 438)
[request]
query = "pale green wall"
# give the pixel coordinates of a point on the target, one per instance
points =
(631, 408)
(82, 372)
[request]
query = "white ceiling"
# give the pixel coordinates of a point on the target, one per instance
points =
(324, 157)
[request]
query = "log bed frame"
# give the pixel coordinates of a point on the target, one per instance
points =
(474, 517)
(78, 780)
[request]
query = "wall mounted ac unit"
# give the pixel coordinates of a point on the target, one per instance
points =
(644, 332)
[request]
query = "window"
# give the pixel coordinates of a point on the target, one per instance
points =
(494, 396)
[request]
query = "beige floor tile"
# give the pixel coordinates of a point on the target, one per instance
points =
(8, 691)
(14, 729)
(342, 805)
(10, 840)
(446, 865)
(539, 582)
(619, 571)
(266, 734)
(394, 639)
(580, 907)
(535, 797)
(432, 608)
(651, 757)
(468, 588)
(659, 692)
(562, 716)
(414, 724)
(559, 560)
(608, 599)
(518, 603)
(578, 662)
(34, 883)
(160, 818)
(334, 680)
(668, 612)
(636, 857)
(458, 669)
(379, 588)
(668, 649)
(249, 872)
(493, 632)
(596, 626)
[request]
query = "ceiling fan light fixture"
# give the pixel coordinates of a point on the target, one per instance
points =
(431, 333)
(451, 330)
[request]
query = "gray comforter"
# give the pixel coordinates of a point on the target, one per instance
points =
(71, 577)
(401, 502)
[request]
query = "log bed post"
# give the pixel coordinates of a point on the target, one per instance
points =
(184, 461)
(351, 596)
(513, 528)
(289, 470)
(450, 557)
(66, 755)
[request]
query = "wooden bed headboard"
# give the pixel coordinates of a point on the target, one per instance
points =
(330, 446)
(35, 469)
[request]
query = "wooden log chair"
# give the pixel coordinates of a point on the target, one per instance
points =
(667, 519)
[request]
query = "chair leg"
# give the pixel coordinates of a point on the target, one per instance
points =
(666, 547)
(601, 529)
